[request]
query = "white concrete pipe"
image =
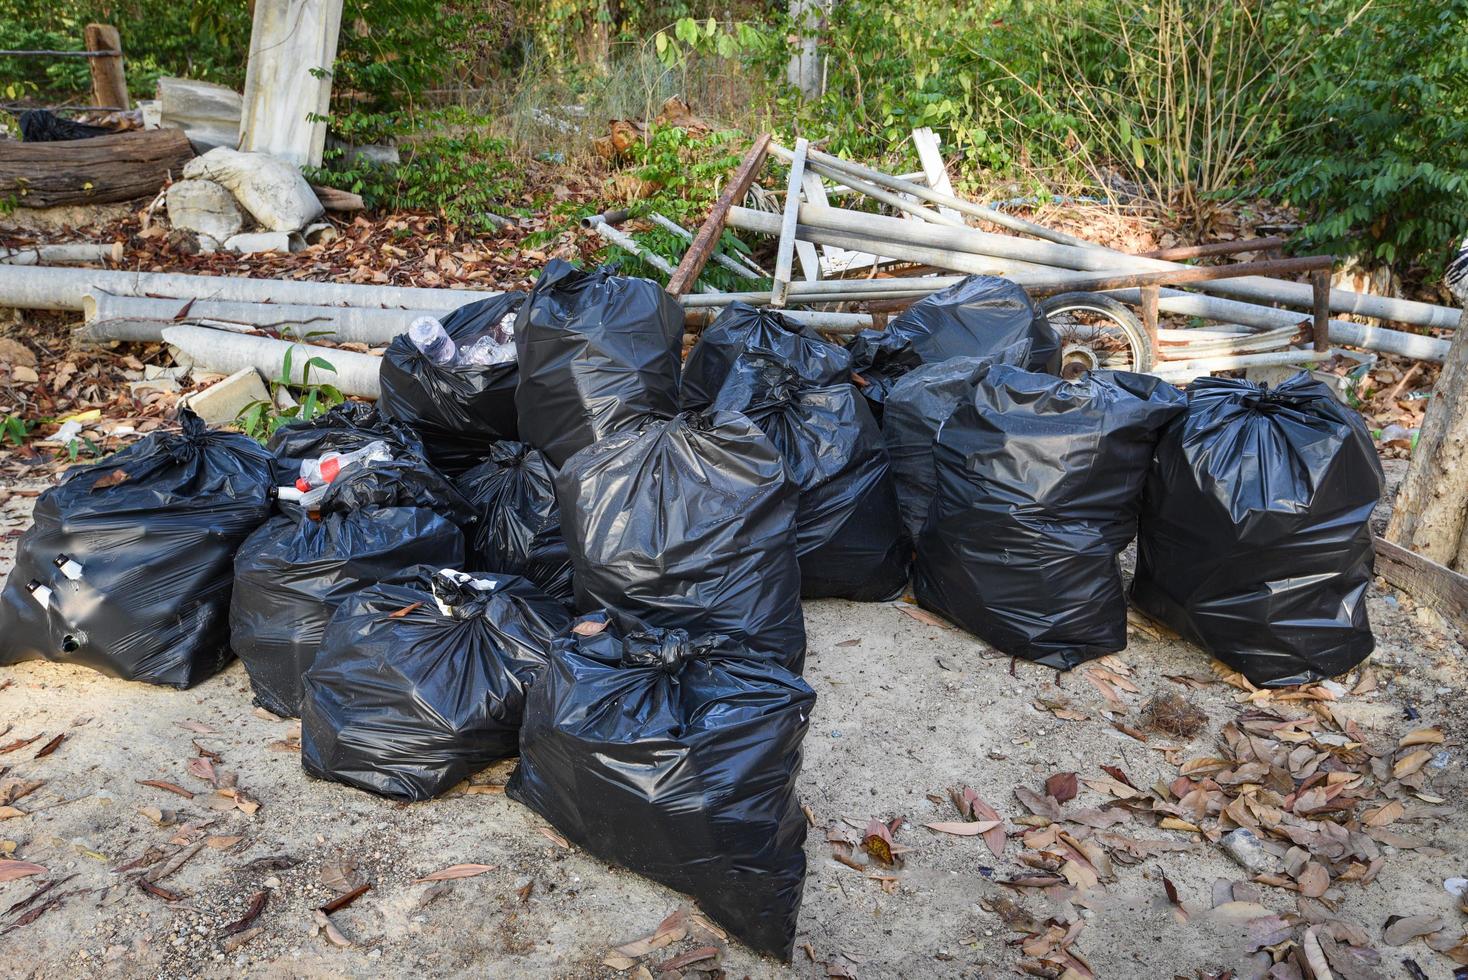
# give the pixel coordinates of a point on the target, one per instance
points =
(140, 318)
(40, 288)
(223, 352)
(65, 253)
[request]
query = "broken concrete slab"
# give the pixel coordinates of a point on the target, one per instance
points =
(206, 208)
(208, 114)
(221, 403)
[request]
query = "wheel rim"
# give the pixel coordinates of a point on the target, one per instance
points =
(1092, 338)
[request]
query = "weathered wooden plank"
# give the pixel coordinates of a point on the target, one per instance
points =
(785, 256)
(707, 238)
(1438, 586)
(109, 84)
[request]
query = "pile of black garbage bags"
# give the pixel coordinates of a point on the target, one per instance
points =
(587, 552)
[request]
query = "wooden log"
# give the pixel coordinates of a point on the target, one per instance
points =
(109, 83)
(1430, 583)
(100, 170)
(1429, 515)
(333, 199)
(707, 238)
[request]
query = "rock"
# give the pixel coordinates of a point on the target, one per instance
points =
(15, 353)
(206, 208)
(1247, 851)
(259, 241)
(272, 190)
(221, 404)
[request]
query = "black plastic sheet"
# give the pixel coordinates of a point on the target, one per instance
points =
(343, 429)
(676, 758)
(978, 317)
(598, 353)
(128, 567)
(421, 681)
(1039, 486)
(916, 408)
(1255, 540)
(293, 573)
(849, 533)
(737, 332)
(519, 526)
(689, 523)
(460, 410)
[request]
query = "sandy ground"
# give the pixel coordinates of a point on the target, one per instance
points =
(906, 710)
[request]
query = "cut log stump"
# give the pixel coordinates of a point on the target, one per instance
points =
(100, 170)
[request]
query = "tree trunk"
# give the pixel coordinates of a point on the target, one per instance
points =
(1432, 505)
(806, 70)
(99, 170)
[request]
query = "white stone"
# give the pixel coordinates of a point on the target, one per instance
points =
(206, 208)
(272, 190)
(259, 241)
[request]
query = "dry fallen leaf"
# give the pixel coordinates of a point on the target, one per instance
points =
(1062, 786)
(922, 615)
(554, 837)
(456, 871)
(328, 928)
(1410, 763)
(1314, 880)
(11, 870)
(10, 812)
(111, 479)
(1422, 736)
(969, 829)
(1402, 930)
(1383, 815)
(589, 627)
(399, 614)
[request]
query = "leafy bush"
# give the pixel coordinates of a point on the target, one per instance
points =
(450, 166)
(1377, 155)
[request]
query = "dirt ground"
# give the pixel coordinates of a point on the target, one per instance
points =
(907, 710)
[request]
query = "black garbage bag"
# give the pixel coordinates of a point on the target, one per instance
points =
(916, 408)
(45, 126)
(128, 567)
(1254, 541)
(689, 523)
(421, 680)
(519, 526)
(343, 429)
(598, 353)
(1039, 485)
(676, 758)
(459, 409)
(741, 329)
(292, 573)
(980, 316)
(849, 533)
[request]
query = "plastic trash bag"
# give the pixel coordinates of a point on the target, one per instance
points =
(1255, 542)
(344, 428)
(849, 533)
(293, 572)
(741, 329)
(676, 758)
(460, 410)
(420, 681)
(1039, 485)
(598, 353)
(128, 566)
(45, 126)
(519, 526)
(980, 316)
(689, 523)
(916, 408)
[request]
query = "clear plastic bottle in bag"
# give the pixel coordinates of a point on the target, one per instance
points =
(322, 470)
(495, 347)
(429, 336)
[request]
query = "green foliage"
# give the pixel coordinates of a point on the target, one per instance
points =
(259, 420)
(15, 429)
(450, 166)
(1378, 155)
